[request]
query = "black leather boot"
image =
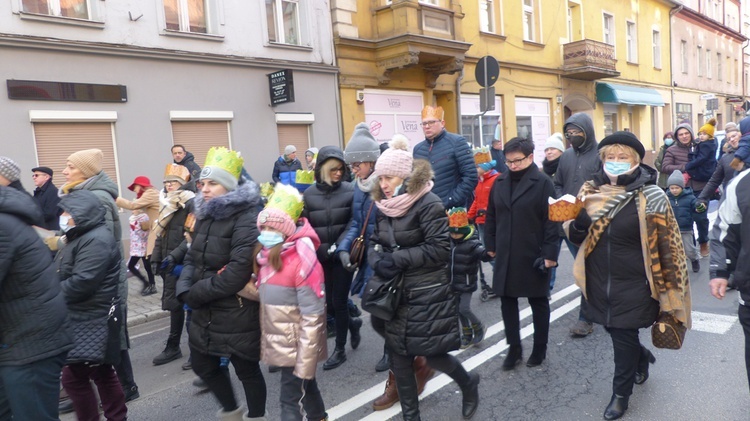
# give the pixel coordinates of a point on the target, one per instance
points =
(355, 324)
(641, 374)
(336, 359)
(470, 392)
(406, 384)
(515, 356)
(616, 408)
(172, 351)
(538, 354)
(385, 363)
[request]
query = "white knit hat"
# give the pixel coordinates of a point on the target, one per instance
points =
(555, 141)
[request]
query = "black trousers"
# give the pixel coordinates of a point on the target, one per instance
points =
(743, 314)
(147, 264)
(629, 356)
(338, 282)
(207, 367)
(300, 399)
(512, 322)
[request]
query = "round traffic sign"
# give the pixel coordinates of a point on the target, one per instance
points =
(487, 71)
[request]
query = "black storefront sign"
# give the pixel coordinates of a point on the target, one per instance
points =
(281, 84)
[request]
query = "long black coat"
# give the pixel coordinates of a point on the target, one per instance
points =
(170, 239)
(223, 324)
(518, 230)
(32, 307)
(47, 199)
(426, 321)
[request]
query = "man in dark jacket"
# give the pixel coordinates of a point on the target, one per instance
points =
(724, 171)
(182, 157)
(450, 157)
(578, 164)
(731, 240)
(285, 168)
(45, 196)
(498, 156)
(34, 335)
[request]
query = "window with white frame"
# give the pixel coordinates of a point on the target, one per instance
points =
(570, 24)
(683, 57)
(631, 42)
(487, 16)
(191, 16)
(719, 70)
(529, 16)
(736, 72)
(699, 61)
(709, 70)
(76, 9)
(609, 29)
(284, 21)
(656, 47)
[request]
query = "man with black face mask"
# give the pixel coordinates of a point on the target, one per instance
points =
(577, 164)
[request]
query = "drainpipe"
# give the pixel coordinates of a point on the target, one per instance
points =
(458, 102)
(672, 12)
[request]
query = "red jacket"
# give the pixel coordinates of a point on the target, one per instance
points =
(482, 196)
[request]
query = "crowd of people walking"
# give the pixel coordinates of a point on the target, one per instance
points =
(258, 277)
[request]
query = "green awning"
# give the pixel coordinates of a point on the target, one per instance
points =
(631, 95)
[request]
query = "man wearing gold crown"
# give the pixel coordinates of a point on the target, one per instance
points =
(450, 157)
(218, 265)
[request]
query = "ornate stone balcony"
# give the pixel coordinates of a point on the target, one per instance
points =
(589, 60)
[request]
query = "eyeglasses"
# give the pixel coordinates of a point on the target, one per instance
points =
(170, 182)
(35, 175)
(569, 134)
(355, 164)
(429, 123)
(516, 161)
(339, 169)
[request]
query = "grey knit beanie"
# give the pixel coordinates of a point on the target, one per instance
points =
(685, 126)
(676, 179)
(9, 169)
(362, 147)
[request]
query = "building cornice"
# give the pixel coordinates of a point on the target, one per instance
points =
(122, 50)
(698, 19)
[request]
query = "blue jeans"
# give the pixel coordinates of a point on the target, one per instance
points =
(31, 391)
(573, 250)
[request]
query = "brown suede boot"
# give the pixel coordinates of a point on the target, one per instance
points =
(389, 396)
(423, 372)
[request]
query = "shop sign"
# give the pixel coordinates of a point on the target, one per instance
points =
(281, 85)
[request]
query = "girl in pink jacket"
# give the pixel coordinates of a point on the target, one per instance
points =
(292, 303)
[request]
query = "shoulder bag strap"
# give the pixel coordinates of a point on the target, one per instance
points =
(366, 221)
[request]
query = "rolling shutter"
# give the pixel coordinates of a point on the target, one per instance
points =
(199, 136)
(294, 134)
(56, 141)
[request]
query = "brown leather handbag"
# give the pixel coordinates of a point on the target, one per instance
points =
(668, 332)
(357, 250)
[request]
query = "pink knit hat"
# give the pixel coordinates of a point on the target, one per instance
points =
(276, 219)
(396, 161)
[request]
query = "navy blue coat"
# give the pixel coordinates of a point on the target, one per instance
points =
(453, 165)
(683, 207)
(702, 161)
(360, 207)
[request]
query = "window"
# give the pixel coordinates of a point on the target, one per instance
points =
(283, 18)
(709, 70)
(187, 16)
(574, 22)
(718, 66)
(529, 29)
(294, 134)
(699, 61)
(631, 42)
(684, 113)
(199, 136)
(76, 9)
(683, 57)
(570, 24)
(656, 46)
(609, 29)
(487, 16)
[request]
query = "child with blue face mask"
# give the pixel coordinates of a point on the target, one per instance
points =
(290, 286)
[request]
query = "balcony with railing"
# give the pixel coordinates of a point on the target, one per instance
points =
(589, 60)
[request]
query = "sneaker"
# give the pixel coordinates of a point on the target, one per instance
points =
(131, 394)
(696, 265)
(466, 337)
(188, 365)
(581, 328)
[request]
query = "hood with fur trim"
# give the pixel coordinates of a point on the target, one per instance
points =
(421, 174)
(244, 197)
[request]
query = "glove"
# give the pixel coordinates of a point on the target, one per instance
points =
(737, 164)
(177, 270)
(582, 222)
(486, 257)
(322, 253)
(167, 264)
(700, 206)
(344, 257)
(385, 268)
(539, 265)
(482, 212)
(155, 268)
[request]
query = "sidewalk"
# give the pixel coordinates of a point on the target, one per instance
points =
(144, 309)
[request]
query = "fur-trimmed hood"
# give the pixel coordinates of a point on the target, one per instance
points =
(246, 196)
(421, 174)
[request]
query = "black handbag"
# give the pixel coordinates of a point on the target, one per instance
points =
(97, 341)
(381, 297)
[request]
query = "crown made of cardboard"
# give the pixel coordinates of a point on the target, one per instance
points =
(226, 159)
(178, 171)
(266, 189)
(190, 222)
(287, 199)
(304, 177)
(430, 112)
(458, 218)
(481, 155)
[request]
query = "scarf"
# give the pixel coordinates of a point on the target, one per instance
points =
(171, 202)
(603, 206)
(65, 189)
(397, 206)
(367, 184)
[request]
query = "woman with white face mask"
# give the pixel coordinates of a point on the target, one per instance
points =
(631, 264)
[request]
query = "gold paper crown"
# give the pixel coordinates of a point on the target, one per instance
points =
(305, 177)
(190, 222)
(458, 218)
(175, 170)
(287, 199)
(433, 112)
(221, 157)
(266, 189)
(481, 155)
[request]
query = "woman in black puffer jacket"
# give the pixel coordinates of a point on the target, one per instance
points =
(328, 207)
(89, 269)
(411, 239)
(217, 266)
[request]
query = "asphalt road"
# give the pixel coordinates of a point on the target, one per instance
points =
(705, 380)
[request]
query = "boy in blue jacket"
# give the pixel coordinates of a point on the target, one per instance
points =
(683, 203)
